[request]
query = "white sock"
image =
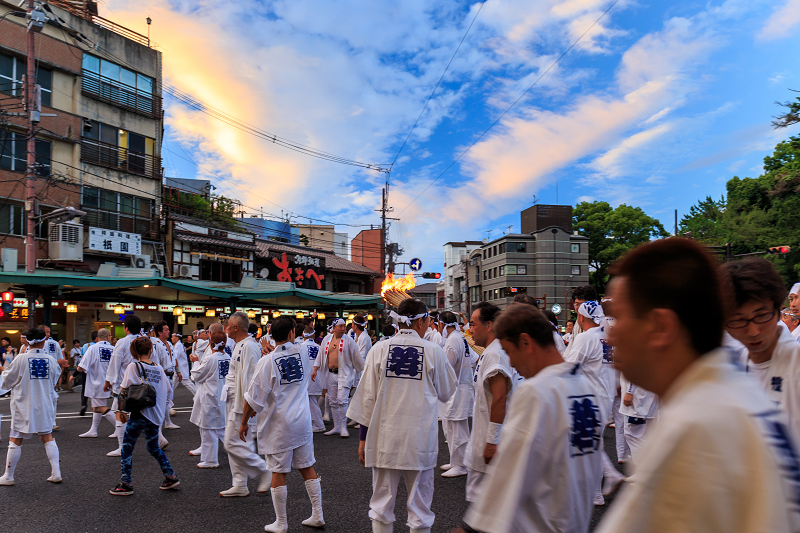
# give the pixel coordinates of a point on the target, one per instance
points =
(109, 416)
(95, 422)
(12, 458)
(121, 432)
(52, 455)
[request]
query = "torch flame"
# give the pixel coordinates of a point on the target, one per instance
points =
(398, 284)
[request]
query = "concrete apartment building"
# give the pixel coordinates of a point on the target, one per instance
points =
(454, 284)
(366, 248)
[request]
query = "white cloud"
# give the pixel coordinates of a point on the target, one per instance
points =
(782, 22)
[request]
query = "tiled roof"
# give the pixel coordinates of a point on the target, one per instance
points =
(332, 261)
(216, 241)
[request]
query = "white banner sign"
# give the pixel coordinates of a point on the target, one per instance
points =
(120, 242)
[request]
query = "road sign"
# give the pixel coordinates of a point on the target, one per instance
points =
(415, 264)
(556, 309)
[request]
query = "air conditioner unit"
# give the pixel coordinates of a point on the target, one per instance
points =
(140, 261)
(184, 271)
(66, 242)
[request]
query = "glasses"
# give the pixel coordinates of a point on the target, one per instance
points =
(740, 323)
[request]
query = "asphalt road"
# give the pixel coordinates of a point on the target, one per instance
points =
(82, 503)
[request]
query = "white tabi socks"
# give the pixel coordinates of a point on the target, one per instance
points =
(380, 527)
(51, 449)
(315, 495)
(92, 433)
(336, 421)
(120, 434)
(12, 458)
(280, 525)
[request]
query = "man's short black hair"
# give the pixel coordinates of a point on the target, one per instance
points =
(35, 333)
(200, 325)
(133, 323)
(147, 326)
(519, 318)
(751, 280)
(94, 336)
(281, 328)
(6, 339)
(584, 292)
(488, 312)
(387, 330)
(448, 317)
(551, 316)
(159, 327)
(298, 331)
(525, 299)
(411, 307)
(252, 329)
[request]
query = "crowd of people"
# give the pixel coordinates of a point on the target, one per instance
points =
(696, 366)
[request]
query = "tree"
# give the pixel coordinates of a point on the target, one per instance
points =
(792, 115)
(612, 233)
(702, 222)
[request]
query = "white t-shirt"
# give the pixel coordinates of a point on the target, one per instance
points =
(645, 403)
(460, 405)
(155, 376)
(52, 348)
(493, 361)
(240, 372)
(181, 361)
(230, 344)
(75, 353)
(208, 411)
(120, 359)
(95, 363)
(200, 347)
(397, 400)
(720, 459)
(278, 392)
(548, 461)
(165, 359)
(314, 387)
(364, 344)
(31, 378)
(587, 349)
(559, 342)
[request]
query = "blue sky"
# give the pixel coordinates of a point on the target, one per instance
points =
(657, 106)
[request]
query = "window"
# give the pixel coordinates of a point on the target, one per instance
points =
(13, 153)
(522, 270)
(495, 272)
(484, 254)
(110, 146)
(12, 70)
(494, 250)
(576, 248)
(510, 292)
(475, 294)
(576, 271)
(502, 270)
(496, 293)
(118, 211)
(120, 85)
(512, 247)
(219, 271)
(12, 219)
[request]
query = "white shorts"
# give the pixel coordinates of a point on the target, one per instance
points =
(17, 435)
(99, 402)
(283, 462)
(115, 404)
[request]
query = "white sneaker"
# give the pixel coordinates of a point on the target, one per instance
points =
(88, 435)
(344, 433)
(172, 426)
(173, 412)
(54, 479)
(113, 435)
(332, 432)
(207, 465)
(196, 452)
(115, 453)
(265, 483)
(234, 492)
(448, 466)
(6, 482)
(612, 486)
(456, 471)
(163, 443)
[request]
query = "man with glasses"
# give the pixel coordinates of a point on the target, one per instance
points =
(773, 355)
(794, 299)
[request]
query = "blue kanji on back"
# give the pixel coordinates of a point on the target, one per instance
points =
(228, 350)
(223, 369)
(40, 368)
(608, 353)
(405, 362)
(291, 368)
(105, 354)
(313, 351)
(585, 435)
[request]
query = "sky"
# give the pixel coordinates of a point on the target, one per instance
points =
(656, 105)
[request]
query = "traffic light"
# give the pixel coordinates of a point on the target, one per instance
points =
(779, 250)
(8, 303)
(431, 275)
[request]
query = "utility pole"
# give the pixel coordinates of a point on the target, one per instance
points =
(33, 119)
(386, 250)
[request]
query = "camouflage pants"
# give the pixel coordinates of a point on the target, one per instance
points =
(132, 431)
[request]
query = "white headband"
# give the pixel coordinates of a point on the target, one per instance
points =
(591, 310)
(362, 324)
(177, 335)
(336, 322)
(407, 319)
(34, 341)
(795, 289)
(253, 335)
(308, 335)
(220, 344)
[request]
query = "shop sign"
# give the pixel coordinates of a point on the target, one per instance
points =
(120, 242)
(306, 272)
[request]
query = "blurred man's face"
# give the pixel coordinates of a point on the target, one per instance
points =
(570, 326)
(576, 303)
(339, 330)
(628, 336)
(794, 304)
(47, 330)
(757, 337)
(480, 331)
(4, 342)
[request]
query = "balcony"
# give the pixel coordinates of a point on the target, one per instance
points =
(118, 158)
(119, 94)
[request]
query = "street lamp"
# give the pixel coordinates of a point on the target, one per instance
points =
(72, 307)
(321, 316)
(251, 313)
(210, 312)
(177, 310)
(300, 315)
(276, 314)
(119, 309)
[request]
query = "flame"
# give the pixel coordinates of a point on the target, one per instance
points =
(398, 284)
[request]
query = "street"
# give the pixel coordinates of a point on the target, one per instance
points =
(82, 502)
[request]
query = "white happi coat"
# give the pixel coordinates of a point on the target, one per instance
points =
(161, 355)
(230, 344)
(645, 403)
(181, 361)
(364, 344)
(780, 377)
(31, 377)
(434, 336)
(95, 363)
(459, 406)
(548, 458)
(314, 387)
(243, 363)
(278, 392)
(52, 348)
(120, 359)
(208, 411)
(559, 342)
(397, 400)
(200, 348)
(493, 361)
(350, 361)
(720, 459)
(587, 349)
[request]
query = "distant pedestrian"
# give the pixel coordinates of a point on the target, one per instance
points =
(95, 366)
(142, 370)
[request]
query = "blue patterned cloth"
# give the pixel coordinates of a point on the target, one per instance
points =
(132, 431)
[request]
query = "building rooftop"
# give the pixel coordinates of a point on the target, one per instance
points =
(464, 243)
(425, 288)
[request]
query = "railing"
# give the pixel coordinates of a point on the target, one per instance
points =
(88, 11)
(121, 30)
(120, 94)
(111, 156)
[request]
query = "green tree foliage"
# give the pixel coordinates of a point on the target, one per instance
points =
(757, 213)
(612, 233)
(791, 116)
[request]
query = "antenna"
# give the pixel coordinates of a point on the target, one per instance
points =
(534, 200)
(509, 229)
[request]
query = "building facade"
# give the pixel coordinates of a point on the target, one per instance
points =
(367, 249)
(456, 255)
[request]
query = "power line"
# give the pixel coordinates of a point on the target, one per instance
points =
(493, 124)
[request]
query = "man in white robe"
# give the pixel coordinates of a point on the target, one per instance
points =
(163, 348)
(52, 348)
(31, 377)
(639, 408)
(243, 458)
(396, 408)
(94, 364)
(278, 393)
(182, 363)
(772, 354)
(721, 458)
(314, 387)
(120, 359)
(337, 368)
(458, 409)
(548, 463)
(794, 299)
(493, 382)
(208, 411)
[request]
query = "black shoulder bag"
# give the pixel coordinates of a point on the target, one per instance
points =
(137, 397)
